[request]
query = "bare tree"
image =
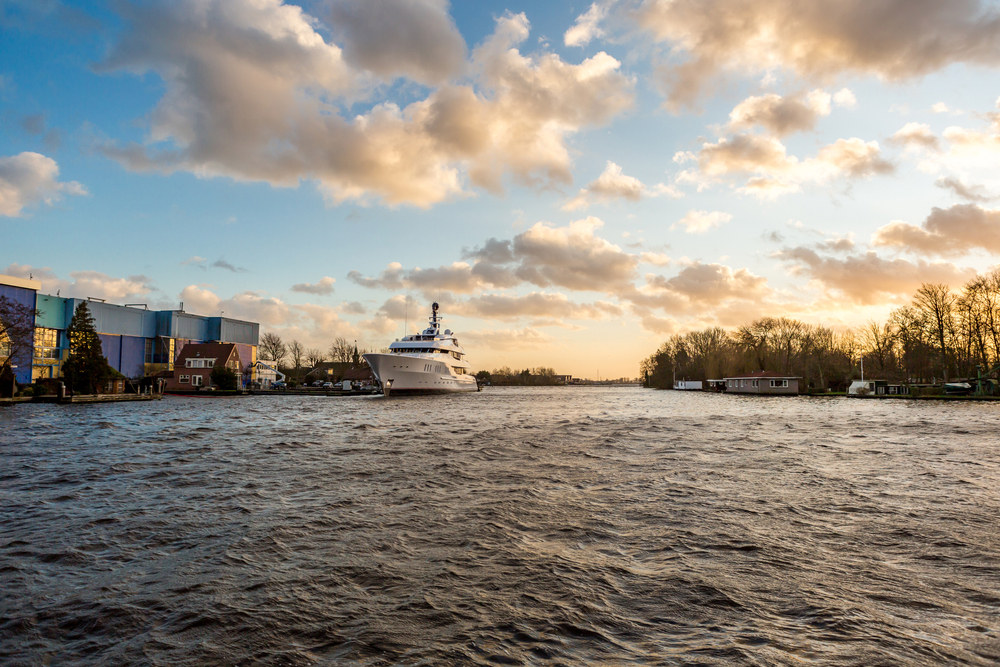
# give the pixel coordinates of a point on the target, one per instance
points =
(17, 331)
(878, 341)
(272, 348)
(297, 352)
(937, 303)
(341, 351)
(314, 357)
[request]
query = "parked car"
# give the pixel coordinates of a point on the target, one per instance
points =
(280, 384)
(327, 385)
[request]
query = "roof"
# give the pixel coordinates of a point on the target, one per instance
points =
(771, 375)
(363, 373)
(23, 283)
(207, 351)
(329, 366)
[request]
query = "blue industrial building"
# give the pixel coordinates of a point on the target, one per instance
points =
(23, 292)
(136, 341)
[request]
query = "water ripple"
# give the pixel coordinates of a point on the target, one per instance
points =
(556, 526)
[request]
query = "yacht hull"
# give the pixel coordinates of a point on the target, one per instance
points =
(401, 374)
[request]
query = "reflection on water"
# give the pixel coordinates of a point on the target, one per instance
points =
(558, 526)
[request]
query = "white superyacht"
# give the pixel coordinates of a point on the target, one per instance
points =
(430, 362)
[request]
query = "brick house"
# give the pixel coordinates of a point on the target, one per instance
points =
(194, 365)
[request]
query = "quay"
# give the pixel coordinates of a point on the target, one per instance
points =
(81, 398)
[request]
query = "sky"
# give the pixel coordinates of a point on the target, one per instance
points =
(572, 182)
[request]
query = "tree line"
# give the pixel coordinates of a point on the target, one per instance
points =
(529, 377)
(940, 335)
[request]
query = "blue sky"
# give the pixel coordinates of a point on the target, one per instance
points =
(574, 181)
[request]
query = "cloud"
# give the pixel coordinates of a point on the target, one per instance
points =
(255, 93)
(28, 179)
(654, 258)
(711, 284)
(816, 41)
(571, 257)
(313, 325)
(612, 184)
(195, 261)
(781, 115)
(845, 98)
(323, 287)
(779, 173)
(412, 38)
(869, 279)
(973, 193)
(535, 304)
(84, 284)
(527, 338)
(946, 232)
(699, 222)
(916, 135)
(223, 264)
(587, 25)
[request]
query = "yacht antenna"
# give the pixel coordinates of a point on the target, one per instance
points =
(406, 314)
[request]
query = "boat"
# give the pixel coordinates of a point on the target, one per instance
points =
(431, 362)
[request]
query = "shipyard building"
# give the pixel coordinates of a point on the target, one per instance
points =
(136, 341)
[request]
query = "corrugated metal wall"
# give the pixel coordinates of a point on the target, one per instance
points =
(25, 297)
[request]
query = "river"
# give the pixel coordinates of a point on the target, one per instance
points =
(516, 526)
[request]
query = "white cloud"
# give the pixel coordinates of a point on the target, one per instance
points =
(781, 115)
(613, 184)
(774, 172)
(946, 232)
(816, 41)
(28, 179)
(699, 222)
(527, 338)
(845, 98)
(254, 92)
(587, 26)
(323, 287)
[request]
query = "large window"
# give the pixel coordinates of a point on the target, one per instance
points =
(47, 344)
(160, 351)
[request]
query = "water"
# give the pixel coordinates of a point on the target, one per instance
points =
(557, 526)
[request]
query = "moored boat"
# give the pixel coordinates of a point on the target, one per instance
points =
(431, 362)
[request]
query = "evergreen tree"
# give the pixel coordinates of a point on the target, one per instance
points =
(85, 369)
(224, 378)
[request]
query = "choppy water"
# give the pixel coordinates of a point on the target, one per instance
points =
(516, 527)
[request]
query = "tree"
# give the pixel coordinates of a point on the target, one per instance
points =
(341, 351)
(937, 303)
(224, 378)
(17, 331)
(314, 357)
(297, 353)
(272, 348)
(878, 342)
(85, 369)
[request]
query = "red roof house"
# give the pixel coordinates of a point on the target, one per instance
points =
(194, 365)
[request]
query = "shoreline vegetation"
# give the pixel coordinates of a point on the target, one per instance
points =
(941, 336)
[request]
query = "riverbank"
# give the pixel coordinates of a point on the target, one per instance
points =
(81, 398)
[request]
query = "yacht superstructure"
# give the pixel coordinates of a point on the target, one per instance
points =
(431, 362)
